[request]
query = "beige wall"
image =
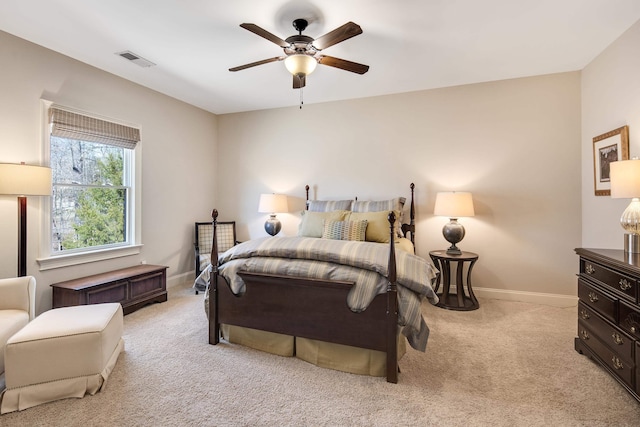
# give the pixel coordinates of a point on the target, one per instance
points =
(610, 99)
(179, 149)
(513, 143)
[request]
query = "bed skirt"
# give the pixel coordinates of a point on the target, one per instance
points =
(338, 357)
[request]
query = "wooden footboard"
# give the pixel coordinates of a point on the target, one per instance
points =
(307, 308)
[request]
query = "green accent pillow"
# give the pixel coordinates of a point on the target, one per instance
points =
(345, 230)
(312, 223)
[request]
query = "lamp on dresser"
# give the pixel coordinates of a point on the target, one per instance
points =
(24, 180)
(625, 184)
(273, 204)
(454, 205)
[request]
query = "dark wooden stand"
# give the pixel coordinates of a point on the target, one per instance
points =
(133, 287)
(458, 301)
(609, 313)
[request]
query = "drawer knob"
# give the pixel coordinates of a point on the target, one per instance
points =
(593, 297)
(590, 269)
(617, 338)
(584, 334)
(624, 284)
(584, 314)
(617, 364)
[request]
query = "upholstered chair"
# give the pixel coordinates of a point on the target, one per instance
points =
(226, 238)
(17, 308)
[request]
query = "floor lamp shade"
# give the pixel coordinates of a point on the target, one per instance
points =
(24, 180)
(625, 184)
(453, 204)
(272, 204)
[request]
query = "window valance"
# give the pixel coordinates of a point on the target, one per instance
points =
(68, 124)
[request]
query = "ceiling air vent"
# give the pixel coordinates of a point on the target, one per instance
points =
(136, 59)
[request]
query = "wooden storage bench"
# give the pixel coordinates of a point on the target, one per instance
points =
(133, 287)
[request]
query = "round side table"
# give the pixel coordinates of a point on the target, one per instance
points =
(461, 300)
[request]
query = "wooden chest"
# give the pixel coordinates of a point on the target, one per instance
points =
(132, 287)
(609, 313)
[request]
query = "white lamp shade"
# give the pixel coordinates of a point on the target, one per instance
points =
(25, 180)
(300, 64)
(454, 204)
(624, 177)
(273, 203)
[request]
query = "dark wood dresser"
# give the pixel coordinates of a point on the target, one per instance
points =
(609, 313)
(133, 287)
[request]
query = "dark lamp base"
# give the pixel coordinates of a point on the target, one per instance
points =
(272, 226)
(454, 250)
(453, 233)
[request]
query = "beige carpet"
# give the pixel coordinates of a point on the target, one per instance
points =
(506, 364)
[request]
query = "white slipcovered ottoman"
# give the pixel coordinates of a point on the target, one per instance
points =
(64, 352)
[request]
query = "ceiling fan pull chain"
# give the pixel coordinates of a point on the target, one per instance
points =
(301, 102)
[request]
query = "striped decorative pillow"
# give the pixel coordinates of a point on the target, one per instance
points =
(345, 230)
(328, 205)
(396, 204)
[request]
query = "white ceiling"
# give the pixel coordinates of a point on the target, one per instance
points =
(408, 44)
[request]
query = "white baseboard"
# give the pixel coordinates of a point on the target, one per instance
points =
(554, 300)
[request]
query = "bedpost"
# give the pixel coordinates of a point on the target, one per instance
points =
(306, 205)
(214, 325)
(392, 307)
(411, 227)
(413, 209)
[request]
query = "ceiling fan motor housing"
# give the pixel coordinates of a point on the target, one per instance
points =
(301, 45)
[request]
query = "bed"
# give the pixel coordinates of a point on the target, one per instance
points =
(327, 295)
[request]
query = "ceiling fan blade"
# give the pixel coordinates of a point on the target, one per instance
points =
(338, 35)
(343, 64)
(253, 64)
(266, 34)
(299, 82)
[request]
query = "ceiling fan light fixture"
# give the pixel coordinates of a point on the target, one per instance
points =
(300, 64)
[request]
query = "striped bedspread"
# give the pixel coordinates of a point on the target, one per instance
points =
(363, 263)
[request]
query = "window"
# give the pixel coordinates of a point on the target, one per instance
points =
(93, 205)
(91, 189)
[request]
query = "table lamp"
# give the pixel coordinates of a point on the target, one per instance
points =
(625, 184)
(24, 180)
(453, 204)
(272, 204)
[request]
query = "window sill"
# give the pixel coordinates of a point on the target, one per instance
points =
(60, 261)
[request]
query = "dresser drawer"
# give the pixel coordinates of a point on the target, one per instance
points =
(621, 283)
(622, 368)
(620, 342)
(598, 300)
(630, 319)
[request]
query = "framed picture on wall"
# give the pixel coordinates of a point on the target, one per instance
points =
(607, 148)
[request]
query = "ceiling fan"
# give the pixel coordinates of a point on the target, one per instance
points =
(302, 53)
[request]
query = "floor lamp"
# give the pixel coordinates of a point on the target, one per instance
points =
(24, 180)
